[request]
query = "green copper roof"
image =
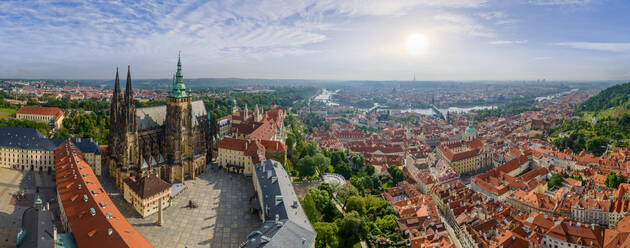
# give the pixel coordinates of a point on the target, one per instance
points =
(178, 90)
(470, 128)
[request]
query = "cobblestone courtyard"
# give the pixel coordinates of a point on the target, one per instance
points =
(11, 182)
(222, 218)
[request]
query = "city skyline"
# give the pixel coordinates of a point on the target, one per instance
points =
(322, 40)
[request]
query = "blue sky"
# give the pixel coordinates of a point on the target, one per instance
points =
(309, 39)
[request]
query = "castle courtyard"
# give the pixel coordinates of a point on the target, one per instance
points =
(221, 218)
(11, 209)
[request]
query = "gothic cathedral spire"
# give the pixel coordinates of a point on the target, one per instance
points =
(128, 89)
(114, 104)
(114, 114)
(130, 106)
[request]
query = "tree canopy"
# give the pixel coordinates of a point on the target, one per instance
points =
(555, 180)
(613, 180)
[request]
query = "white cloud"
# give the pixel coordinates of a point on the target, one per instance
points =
(507, 42)
(455, 23)
(561, 2)
(598, 46)
(506, 21)
(497, 17)
(82, 39)
(393, 7)
(492, 15)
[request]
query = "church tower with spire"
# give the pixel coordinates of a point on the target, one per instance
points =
(178, 136)
(123, 137)
(114, 116)
(130, 127)
(167, 140)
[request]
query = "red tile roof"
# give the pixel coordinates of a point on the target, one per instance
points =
(37, 110)
(274, 145)
(248, 147)
(94, 219)
(457, 151)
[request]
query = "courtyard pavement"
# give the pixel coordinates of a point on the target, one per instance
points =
(221, 219)
(11, 210)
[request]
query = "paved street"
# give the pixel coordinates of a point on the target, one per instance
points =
(222, 218)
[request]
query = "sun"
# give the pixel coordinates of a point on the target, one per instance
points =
(416, 44)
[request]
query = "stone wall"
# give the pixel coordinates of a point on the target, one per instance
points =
(301, 188)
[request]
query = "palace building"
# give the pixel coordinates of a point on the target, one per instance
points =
(50, 115)
(27, 149)
(168, 140)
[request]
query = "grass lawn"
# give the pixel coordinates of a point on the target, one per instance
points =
(614, 112)
(7, 111)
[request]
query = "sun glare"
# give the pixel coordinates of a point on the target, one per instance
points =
(416, 44)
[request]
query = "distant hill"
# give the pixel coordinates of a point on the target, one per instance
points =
(615, 96)
(611, 107)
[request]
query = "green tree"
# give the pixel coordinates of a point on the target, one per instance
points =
(357, 161)
(310, 149)
(387, 223)
(555, 180)
(40, 126)
(306, 166)
(320, 197)
(322, 162)
(613, 180)
(344, 193)
(63, 133)
(370, 169)
(356, 203)
(326, 235)
(596, 145)
(375, 206)
(310, 209)
(343, 169)
(396, 174)
(290, 141)
(337, 157)
(362, 183)
(351, 229)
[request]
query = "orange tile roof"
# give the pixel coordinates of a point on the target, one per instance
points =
(249, 147)
(37, 110)
(274, 145)
(457, 151)
(94, 219)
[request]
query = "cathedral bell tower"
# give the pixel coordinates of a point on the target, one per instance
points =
(178, 131)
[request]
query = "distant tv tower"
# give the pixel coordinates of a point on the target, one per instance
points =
(414, 76)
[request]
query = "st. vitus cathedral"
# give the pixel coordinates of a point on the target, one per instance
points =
(169, 140)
